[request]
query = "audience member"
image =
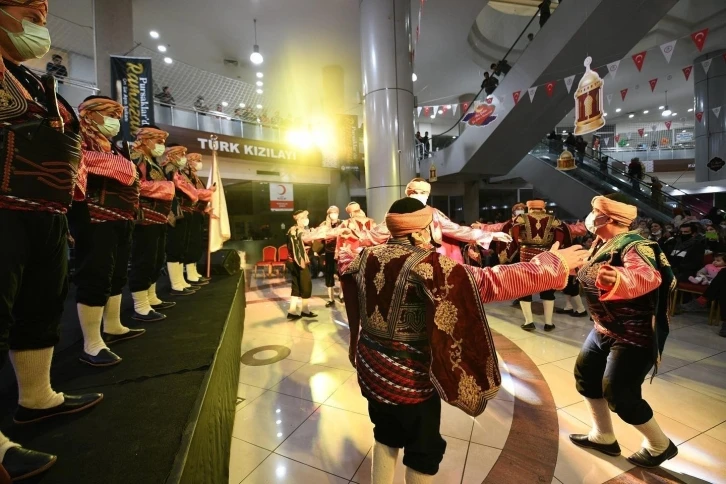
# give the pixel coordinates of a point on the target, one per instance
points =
(636, 173)
(716, 291)
(686, 258)
(709, 272)
(56, 67)
(200, 104)
(165, 96)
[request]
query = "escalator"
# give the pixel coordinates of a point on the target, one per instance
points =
(574, 189)
(575, 30)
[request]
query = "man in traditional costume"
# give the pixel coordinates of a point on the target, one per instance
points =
(332, 222)
(177, 240)
(425, 336)
(103, 240)
(348, 242)
(628, 285)
(37, 182)
(535, 233)
(149, 241)
(299, 265)
(195, 248)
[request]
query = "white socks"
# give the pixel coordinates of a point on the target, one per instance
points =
(32, 369)
(176, 277)
(415, 477)
(90, 318)
(153, 298)
(294, 305)
(192, 274)
(526, 311)
(568, 304)
(112, 316)
(331, 294)
(306, 305)
(549, 309)
(384, 463)
(577, 303)
(141, 302)
(655, 441)
(602, 424)
(5, 444)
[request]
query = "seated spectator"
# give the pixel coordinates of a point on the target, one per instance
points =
(165, 96)
(656, 232)
(713, 241)
(716, 291)
(200, 104)
(686, 258)
(709, 272)
(56, 67)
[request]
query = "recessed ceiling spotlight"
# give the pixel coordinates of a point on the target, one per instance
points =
(645, 135)
(433, 116)
(260, 91)
(242, 105)
(259, 106)
(260, 75)
(260, 83)
(225, 103)
(690, 110)
(646, 111)
(604, 114)
(414, 77)
(674, 114)
(631, 115)
(661, 108)
(162, 48)
(683, 131)
(154, 34)
(168, 60)
(618, 110)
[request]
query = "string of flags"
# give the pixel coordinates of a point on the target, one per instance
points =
(698, 38)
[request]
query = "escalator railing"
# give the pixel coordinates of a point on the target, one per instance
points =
(598, 173)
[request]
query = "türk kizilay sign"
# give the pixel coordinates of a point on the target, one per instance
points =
(251, 150)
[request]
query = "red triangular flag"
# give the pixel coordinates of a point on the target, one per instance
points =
(427, 110)
(623, 93)
(550, 87)
(639, 58)
(653, 82)
(699, 115)
(699, 38)
(617, 138)
(687, 71)
(640, 132)
(668, 124)
(465, 107)
(516, 95)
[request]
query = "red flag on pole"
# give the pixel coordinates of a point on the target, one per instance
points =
(550, 87)
(516, 95)
(668, 124)
(699, 38)
(687, 71)
(652, 83)
(640, 132)
(699, 115)
(639, 58)
(623, 93)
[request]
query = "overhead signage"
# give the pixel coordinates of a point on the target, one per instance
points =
(243, 148)
(132, 87)
(281, 197)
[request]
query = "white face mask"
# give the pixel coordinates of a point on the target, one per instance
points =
(33, 42)
(590, 223)
(303, 222)
(158, 150)
(182, 162)
(421, 197)
(333, 217)
(110, 127)
(198, 166)
(518, 212)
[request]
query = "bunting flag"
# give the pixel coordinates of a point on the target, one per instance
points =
(606, 139)
(610, 98)
(617, 138)
(436, 111)
(687, 71)
(639, 58)
(668, 49)
(699, 38)
(531, 92)
(516, 95)
(706, 65)
(453, 109)
(568, 83)
(427, 110)
(465, 107)
(418, 111)
(699, 115)
(652, 83)
(550, 87)
(668, 124)
(613, 68)
(640, 132)
(623, 93)
(716, 111)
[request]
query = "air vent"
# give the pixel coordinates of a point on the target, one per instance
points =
(231, 62)
(268, 173)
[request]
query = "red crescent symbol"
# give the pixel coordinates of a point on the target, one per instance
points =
(283, 190)
(699, 36)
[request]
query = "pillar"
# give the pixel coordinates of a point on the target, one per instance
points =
(710, 92)
(471, 202)
(388, 139)
(114, 35)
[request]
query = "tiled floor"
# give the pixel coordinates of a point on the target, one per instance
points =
(303, 419)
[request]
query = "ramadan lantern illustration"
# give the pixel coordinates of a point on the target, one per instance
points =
(589, 102)
(566, 161)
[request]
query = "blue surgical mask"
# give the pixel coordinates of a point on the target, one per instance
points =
(33, 42)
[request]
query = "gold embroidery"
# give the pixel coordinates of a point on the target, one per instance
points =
(446, 317)
(425, 270)
(379, 281)
(377, 321)
(646, 251)
(470, 394)
(664, 260)
(447, 265)
(385, 254)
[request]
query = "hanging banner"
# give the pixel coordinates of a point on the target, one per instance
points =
(516, 95)
(668, 124)
(623, 93)
(132, 87)
(667, 50)
(610, 98)
(640, 132)
(699, 38)
(639, 58)
(281, 197)
(706, 65)
(613, 68)
(687, 71)
(652, 83)
(482, 114)
(550, 88)
(568, 83)
(345, 149)
(716, 111)
(531, 92)
(699, 115)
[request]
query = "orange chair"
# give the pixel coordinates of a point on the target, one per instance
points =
(281, 261)
(269, 255)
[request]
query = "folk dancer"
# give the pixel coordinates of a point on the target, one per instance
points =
(628, 285)
(103, 240)
(177, 240)
(331, 223)
(195, 248)
(418, 328)
(37, 183)
(298, 264)
(149, 241)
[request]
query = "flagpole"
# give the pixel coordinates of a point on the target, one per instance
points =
(212, 176)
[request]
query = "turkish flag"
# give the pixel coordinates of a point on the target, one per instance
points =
(465, 106)
(640, 132)
(699, 115)
(516, 95)
(687, 71)
(427, 111)
(699, 38)
(652, 83)
(550, 87)
(623, 93)
(617, 138)
(668, 124)
(639, 58)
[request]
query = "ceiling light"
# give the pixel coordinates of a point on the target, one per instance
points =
(259, 106)
(242, 105)
(162, 48)
(661, 107)
(433, 116)
(260, 83)
(674, 114)
(260, 91)
(441, 112)
(168, 60)
(690, 110)
(260, 75)
(604, 114)
(225, 103)
(631, 115)
(448, 106)
(414, 77)
(683, 131)
(256, 58)
(645, 135)
(154, 34)
(618, 110)
(646, 111)
(454, 137)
